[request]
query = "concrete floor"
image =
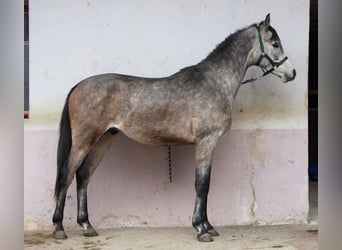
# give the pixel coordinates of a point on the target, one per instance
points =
(286, 237)
(313, 199)
(236, 237)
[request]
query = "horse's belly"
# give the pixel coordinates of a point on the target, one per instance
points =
(158, 139)
(163, 133)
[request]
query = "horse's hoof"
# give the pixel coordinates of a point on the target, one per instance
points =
(59, 235)
(206, 237)
(213, 232)
(90, 233)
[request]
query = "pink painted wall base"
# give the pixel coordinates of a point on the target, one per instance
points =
(258, 176)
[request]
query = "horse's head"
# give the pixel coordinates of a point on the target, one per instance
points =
(270, 54)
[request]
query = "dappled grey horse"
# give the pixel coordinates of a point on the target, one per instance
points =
(193, 106)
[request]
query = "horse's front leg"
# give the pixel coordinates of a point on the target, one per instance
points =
(204, 152)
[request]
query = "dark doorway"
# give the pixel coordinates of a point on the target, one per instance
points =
(313, 110)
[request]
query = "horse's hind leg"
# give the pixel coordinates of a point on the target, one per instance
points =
(82, 144)
(76, 157)
(57, 219)
(83, 176)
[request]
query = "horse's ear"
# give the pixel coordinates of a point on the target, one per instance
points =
(268, 19)
(266, 24)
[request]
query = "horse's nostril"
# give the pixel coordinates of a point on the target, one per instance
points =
(294, 73)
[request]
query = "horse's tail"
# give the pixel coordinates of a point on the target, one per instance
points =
(64, 146)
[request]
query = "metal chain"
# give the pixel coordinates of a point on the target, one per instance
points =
(170, 163)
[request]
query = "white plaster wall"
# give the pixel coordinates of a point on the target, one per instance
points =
(71, 40)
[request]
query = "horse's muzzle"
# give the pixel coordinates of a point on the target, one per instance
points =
(289, 76)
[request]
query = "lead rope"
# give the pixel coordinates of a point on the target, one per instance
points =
(256, 78)
(170, 163)
(250, 80)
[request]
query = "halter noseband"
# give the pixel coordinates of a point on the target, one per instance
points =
(275, 64)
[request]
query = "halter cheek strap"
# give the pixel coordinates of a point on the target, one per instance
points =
(275, 64)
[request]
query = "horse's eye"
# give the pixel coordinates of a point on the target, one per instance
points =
(275, 44)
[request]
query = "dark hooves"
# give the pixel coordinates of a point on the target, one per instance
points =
(59, 235)
(90, 233)
(206, 237)
(213, 232)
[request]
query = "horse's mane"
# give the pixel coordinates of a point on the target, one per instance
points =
(223, 46)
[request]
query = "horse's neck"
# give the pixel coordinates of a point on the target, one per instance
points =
(229, 61)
